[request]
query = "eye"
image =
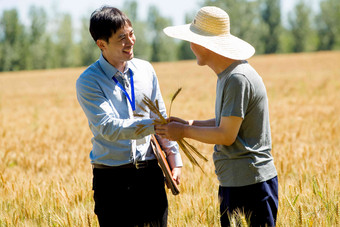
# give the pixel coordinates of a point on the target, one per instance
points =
(122, 38)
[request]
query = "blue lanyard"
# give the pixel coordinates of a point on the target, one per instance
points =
(132, 101)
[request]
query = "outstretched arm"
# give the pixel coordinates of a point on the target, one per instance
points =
(224, 134)
(207, 123)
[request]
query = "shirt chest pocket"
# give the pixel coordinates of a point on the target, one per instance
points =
(143, 87)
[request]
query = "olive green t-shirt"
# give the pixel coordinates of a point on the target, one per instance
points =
(241, 92)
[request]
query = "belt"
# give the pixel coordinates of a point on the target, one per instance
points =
(137, 165)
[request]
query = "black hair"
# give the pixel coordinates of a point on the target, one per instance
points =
(105, 21)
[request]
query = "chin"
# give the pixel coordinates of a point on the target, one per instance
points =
(131, 56)
(200, 63)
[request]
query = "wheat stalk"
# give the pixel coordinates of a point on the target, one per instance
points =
(187, 148)
(194, 149)
(173, 98)
(153, 108)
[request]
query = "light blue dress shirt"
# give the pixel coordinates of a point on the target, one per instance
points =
(111, 118)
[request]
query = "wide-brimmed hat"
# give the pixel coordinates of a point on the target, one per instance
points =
(211, 29)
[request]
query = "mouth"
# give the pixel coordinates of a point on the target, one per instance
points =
(128, 51)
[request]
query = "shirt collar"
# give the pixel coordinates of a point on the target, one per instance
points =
(231, 67)
(110, 70)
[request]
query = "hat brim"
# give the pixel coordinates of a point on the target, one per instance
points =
(227, 45)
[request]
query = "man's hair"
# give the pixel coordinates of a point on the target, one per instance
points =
(105, 21)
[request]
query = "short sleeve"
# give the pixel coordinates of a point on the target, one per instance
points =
(236, 96)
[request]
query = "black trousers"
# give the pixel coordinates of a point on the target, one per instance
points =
(127, 197)
(260, 201)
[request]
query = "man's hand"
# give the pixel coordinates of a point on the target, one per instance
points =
(172, 131)
(180, 120)
(176, 174)
(177, 119)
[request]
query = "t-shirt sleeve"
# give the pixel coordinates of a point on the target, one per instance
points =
(236, 96)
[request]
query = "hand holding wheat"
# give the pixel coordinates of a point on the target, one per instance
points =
(187, 148)
(172, 130)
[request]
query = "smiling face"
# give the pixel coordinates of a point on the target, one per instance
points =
(119, 47)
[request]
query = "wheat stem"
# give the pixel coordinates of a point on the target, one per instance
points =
(173, 98)
(184, 145)
(194, 149)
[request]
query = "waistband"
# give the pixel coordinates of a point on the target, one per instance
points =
(137, 165)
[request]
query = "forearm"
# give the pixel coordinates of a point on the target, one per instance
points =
(105, 120)
(171, 150)
(210, 135)
(224, 134)
(205, 123)
(174, 160)
(122, 129)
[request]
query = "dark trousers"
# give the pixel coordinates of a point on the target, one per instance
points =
(127, 197)
(260, 201)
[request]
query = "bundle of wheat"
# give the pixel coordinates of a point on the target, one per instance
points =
(188, 149)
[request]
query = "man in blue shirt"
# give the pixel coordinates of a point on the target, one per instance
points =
(127, 181)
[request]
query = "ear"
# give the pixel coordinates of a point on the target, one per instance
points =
(101, 44)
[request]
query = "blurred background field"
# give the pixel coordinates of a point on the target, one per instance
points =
(45, 172)
(53, 34)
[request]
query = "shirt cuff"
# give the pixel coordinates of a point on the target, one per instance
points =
(175, 160)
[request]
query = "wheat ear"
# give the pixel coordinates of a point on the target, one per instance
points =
(173, 98)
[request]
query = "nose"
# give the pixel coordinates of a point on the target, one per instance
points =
(131, 39)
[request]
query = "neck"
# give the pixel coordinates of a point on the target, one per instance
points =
(120, 65)
(218, 63)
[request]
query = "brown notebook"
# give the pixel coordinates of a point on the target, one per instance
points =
(163, 163)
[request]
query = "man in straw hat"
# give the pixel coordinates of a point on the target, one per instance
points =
(128, 184)
(241, 130)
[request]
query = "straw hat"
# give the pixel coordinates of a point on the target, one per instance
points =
(211, 29)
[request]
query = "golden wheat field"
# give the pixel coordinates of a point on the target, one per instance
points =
(45, 173)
